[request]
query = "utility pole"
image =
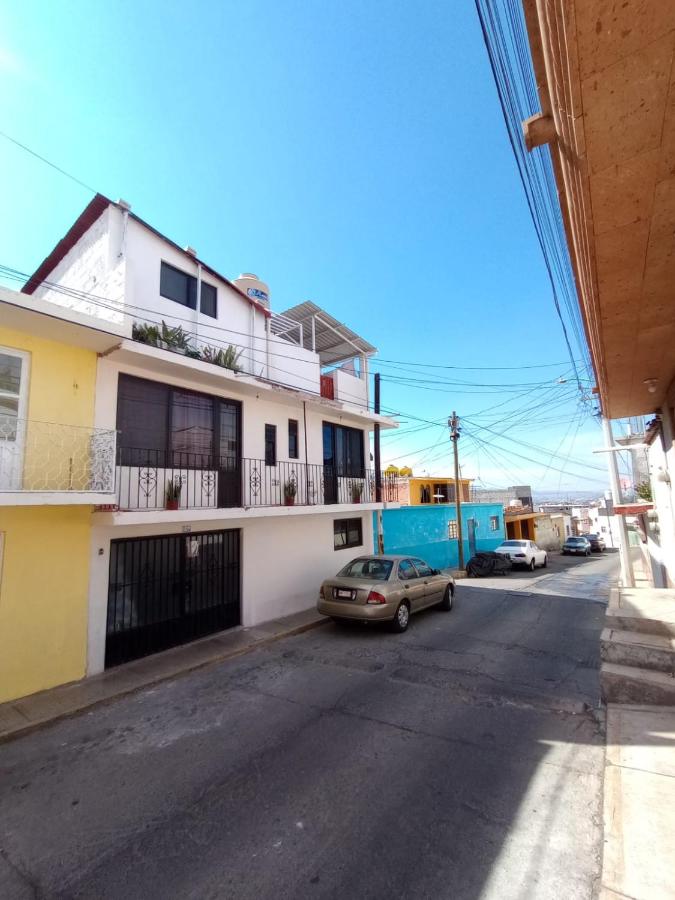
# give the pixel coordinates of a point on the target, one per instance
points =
(624, 549)
(378, 469)
(454, 437)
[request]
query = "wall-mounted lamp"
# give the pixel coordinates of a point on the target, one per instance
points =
(662, 475)
(650, 384)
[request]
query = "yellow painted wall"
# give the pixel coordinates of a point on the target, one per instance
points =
(45, 560)
(61, 393)
(43, 597)
(416, 485)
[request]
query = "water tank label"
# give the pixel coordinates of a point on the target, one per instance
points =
(257, 294)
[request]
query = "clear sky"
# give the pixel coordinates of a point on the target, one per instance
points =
(351, 153)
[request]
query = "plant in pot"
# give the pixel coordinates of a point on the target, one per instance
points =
(174, 338)
(357, 491)
(226, 359)
(145, 333)
(290, 490)
(172, 493)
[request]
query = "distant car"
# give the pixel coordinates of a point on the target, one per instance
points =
(578, 545)
(597, 542)
(385, 589)
(488, 563)
(523, 553)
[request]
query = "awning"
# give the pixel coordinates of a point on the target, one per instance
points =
(332, 340)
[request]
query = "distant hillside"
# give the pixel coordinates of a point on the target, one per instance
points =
(576, 497)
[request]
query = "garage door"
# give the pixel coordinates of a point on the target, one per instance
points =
(167, 590)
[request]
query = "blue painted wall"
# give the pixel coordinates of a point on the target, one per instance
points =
(423, 531)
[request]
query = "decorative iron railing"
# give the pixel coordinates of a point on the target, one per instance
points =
(157, 479)
(46, 456)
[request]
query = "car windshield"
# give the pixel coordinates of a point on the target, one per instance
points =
(371, 568)
(513, 544)
(576, 540)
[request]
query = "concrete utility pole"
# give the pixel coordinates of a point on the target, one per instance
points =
(624, 549)
(378, 469)
(454, 437)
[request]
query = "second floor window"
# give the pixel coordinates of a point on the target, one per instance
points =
(270, 445)
(494, 523)
(182, 288)
(293, 452)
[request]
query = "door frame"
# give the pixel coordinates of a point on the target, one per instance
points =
(22, 411)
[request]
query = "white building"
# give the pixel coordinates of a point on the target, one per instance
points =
(237, 490)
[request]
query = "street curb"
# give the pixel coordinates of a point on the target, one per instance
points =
(21, 730)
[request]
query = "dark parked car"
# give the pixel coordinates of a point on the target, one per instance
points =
(597, 542)
(577, 545)
(488, 563)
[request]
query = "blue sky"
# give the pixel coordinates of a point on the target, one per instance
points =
(353, 154)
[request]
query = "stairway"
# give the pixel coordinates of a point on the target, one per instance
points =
(637, 647)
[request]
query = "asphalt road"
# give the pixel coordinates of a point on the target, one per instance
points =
(463, 759)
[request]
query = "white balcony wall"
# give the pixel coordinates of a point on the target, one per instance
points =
(350, 388)
(294, 366)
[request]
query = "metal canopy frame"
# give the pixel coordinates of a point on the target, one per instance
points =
(320, 332)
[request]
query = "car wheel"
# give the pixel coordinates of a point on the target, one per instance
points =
(531, 566)
(446, 602)
(588, 553)
(545, 563)
(402, 618)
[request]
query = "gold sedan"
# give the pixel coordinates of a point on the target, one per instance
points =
(385, 589)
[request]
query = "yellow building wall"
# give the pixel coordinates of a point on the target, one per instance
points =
(416, 485)
(43, 597)
(45, 554)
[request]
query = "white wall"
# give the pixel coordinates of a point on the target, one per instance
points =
(350, 389)
(662, 526)
(94, 265)
(283, 562)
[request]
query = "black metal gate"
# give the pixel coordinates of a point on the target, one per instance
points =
(170, 589)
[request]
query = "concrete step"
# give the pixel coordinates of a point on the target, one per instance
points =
(645, 610)
(629, 684)
(634, 648)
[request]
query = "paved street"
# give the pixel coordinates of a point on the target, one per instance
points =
(463, 759)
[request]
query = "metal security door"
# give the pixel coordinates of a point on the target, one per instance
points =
(471, 528)
(167, 590)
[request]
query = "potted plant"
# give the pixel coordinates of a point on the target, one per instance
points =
(226, 359)
(174, 338)
(357, 491)
(172, 493)
(146, 334)
(290, 490)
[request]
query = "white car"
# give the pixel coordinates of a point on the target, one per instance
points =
(523, 553)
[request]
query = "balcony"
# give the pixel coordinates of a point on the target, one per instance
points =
(158, 480)
(49, 463)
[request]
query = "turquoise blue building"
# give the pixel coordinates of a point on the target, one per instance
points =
(431, 531)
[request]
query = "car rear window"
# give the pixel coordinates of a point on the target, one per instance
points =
(371, 569)
(514, 543)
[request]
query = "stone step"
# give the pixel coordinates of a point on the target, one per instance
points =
(645, 610)
(643, 651)
(629, 684)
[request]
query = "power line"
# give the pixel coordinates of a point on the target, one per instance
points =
(47, 162)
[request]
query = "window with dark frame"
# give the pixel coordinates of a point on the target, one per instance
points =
(160, 425)
(494, 523)
(293, 450)
(347, 533)
(270, 445)
(452, 530)
(181, 287)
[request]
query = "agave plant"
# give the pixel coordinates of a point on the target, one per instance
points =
(175, 338)
(227, 358)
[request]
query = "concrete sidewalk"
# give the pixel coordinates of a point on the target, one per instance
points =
(639, 804)
(27, 713)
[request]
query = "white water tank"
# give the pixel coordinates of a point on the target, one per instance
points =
(254, 288)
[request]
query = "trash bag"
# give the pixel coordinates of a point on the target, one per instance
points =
(488, 563)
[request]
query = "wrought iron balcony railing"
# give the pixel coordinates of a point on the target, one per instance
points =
(155, 479)
(48, 457)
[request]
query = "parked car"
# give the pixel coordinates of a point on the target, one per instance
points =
(488, 563)
(597, 542)
(523, 553)
(385, 589)
(578, 545)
